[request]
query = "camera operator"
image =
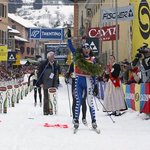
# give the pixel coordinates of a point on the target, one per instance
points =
(142, 59)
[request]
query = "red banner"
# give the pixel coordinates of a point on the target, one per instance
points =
(107, 33)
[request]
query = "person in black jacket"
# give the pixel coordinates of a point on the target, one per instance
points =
(47, 78)
(36, 87)
(70, 73)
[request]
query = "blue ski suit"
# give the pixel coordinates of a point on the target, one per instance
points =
(83, 83)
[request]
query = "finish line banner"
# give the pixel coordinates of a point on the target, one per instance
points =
(45, 33)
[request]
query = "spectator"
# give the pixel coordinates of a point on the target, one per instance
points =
(114, 96)
(47, 78)
(36, 87)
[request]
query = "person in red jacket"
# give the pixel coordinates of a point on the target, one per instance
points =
(135, 76)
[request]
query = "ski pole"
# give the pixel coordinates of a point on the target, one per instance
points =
(41, 74)
(106, 110)
(96, 104)
(69, 101)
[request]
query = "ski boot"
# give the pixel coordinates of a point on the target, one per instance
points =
(94, 124)
(76, 124)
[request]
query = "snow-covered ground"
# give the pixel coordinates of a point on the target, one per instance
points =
(22, 128)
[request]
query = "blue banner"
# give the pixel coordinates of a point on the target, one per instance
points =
(51, 34)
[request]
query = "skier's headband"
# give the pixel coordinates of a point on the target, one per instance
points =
(86, 46)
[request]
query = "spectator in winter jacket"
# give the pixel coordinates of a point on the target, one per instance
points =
(47, 78)
(36, 87)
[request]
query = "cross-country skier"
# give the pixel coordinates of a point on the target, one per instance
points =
(70, 74)
(85, 69)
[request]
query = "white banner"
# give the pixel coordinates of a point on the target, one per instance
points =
(123, 14)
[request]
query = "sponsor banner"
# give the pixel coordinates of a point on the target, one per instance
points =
(11, 57)
(18, 56)
(51, 34)
(3, 53)
(60, 49)
(107, 33)
(94, 44)
(137, 97)
(123, 14)
(145, 98)
(132, 95)
(140, 27)
(127, 96)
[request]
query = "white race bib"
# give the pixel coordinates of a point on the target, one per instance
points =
(51, 76)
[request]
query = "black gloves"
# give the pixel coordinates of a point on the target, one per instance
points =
(67, 76)
(69, 33)
(95, 90)
(66, 80)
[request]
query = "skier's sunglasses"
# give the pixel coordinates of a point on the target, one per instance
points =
(86, 47)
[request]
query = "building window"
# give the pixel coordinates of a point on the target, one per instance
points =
(3, 10)
(22, 49)
(3, 37)
(32, 51)
(101, 2)
(28, 50)
(14, 26)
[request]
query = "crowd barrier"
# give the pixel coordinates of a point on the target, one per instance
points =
(12, 92)
(137, 96)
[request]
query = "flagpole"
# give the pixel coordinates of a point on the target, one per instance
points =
(116, 8)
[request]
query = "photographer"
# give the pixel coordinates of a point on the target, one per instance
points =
(142, 59)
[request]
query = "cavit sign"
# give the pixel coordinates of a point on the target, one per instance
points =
(107, 33)
(51, 34)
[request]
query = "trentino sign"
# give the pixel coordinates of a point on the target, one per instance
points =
(46, 33)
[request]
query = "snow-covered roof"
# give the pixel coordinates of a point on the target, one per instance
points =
(11, 30)
(20, 20)
(20, 39)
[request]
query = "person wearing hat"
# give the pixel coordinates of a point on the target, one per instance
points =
(85, 70)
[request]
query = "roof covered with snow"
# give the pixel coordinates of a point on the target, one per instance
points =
(11, 30)
(20, 39)
(21, 21)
